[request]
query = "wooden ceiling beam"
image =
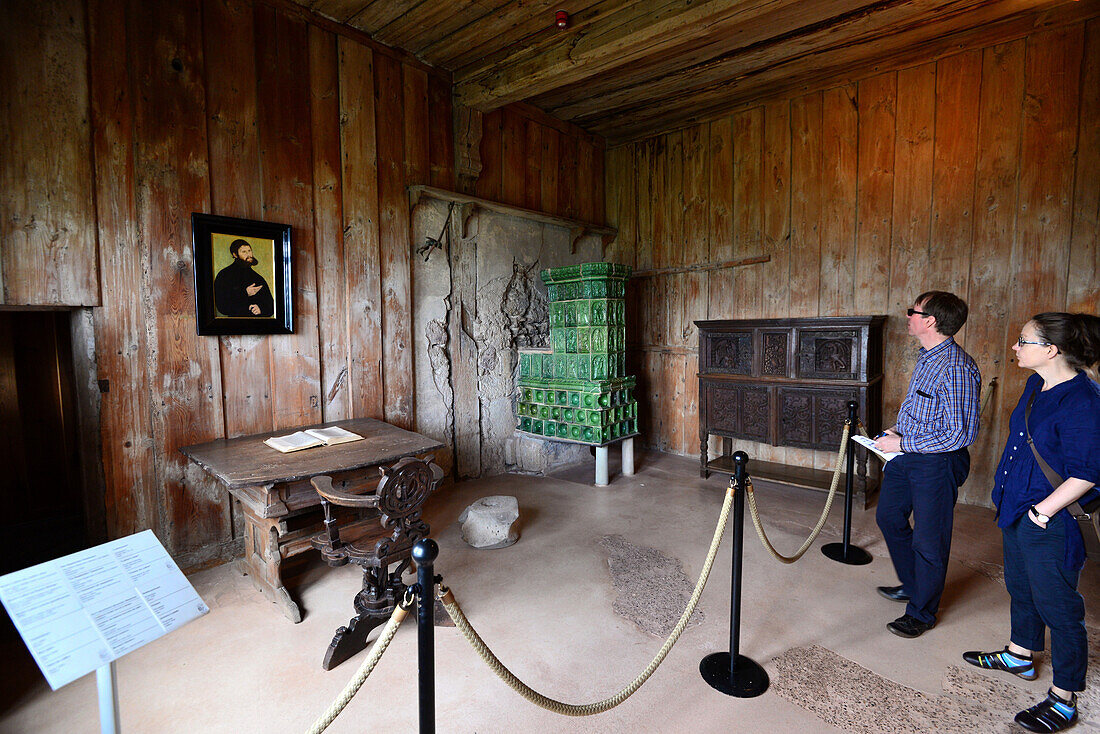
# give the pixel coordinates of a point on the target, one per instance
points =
(508, 24)
(841, 64)
(623, 36)
(423, 35)
(786, 24)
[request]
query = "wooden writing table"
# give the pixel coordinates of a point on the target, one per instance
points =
(274, 492)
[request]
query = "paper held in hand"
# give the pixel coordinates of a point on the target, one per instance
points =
(311, 437)
(870, 446)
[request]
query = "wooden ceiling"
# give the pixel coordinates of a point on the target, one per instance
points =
(626, 69)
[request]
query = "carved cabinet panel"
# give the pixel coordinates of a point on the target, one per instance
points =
(788, 382)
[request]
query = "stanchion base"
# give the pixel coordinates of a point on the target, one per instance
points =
(856, 555)
(748, 679)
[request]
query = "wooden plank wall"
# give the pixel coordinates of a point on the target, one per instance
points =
(977, 173)
(247, 109)
(531, 160)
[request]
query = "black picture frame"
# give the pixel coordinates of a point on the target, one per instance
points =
(231, 294)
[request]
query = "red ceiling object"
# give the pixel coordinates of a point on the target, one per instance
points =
(561, 18)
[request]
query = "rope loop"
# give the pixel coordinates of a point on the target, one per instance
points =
(755, 512)
(598, 707)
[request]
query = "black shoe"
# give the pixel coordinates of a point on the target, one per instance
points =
(893, 593)
(996, 661)
(1046, 717)
(909, 626)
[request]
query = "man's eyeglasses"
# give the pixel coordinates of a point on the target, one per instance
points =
(911, 311)
(1021, 341)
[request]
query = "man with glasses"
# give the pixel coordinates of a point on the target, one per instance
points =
(936, 422)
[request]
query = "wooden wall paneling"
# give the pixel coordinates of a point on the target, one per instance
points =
(393, 229)
(48, 231)
(513, 138)
(673, 373)
(567, 177)
(1052, 74)
(806, 208)
(674, 192)
(990, 332)
(614, 173)
(441, 140)
(328, 218)
(532, 186)
(361, 251)
(643, 171)
(877, 98)
(653, 417)
(949, 243)
(589, 205)
(1082, 293)
(488, 183)
(910, 270)
(720, 282)
(839, 153)
(230, 52)
(417, 123)
(660, 205)
(286, 165)
(129, 457)
(599, 153)
(689, 411)
(776, 213)
(747, 134)
(183, 370)
(551, 165)
(628, 208)
(696, 250)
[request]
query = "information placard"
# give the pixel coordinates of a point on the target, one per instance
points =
(80, 612)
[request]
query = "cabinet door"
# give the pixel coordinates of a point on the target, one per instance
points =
(728, 353)
(828, 354)
(813, 417)
(738, 411)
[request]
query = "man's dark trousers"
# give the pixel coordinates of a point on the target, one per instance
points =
(926, 486)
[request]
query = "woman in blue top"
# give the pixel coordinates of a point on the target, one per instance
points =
(1043, 547)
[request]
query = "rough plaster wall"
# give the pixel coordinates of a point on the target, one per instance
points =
(511, 314)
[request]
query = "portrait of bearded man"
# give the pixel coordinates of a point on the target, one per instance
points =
(238, 289)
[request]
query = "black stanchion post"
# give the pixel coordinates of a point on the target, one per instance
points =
(424, 554)
(845, 552)
(730, 672)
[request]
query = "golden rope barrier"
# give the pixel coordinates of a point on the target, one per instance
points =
(365, 669)
(824, 513)
(598, 707)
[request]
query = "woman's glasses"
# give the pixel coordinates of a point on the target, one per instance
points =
(1021, 341)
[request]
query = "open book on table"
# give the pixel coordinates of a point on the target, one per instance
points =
(311, 437)
(870, 446)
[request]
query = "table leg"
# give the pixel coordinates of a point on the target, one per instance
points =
(601, 466)
(262, 562)
(628, 457)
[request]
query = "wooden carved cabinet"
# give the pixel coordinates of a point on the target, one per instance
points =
(787, 382)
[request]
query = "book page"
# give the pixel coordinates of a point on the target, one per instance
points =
(333, 435)
(870, 445)
(293, 442)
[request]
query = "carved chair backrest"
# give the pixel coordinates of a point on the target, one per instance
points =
(399, 500)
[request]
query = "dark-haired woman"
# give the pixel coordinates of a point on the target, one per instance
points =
(1043, 547)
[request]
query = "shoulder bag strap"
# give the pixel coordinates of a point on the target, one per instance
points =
(1074, 508)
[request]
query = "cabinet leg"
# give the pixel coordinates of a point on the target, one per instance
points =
(263, 564)
(703, 471)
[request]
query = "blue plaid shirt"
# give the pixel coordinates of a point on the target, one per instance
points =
(940, 411)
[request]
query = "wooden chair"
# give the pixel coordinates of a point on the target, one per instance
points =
(376, 543)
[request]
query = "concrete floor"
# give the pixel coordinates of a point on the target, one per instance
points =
(546, 606)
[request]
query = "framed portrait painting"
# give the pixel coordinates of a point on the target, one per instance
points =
(242, 276)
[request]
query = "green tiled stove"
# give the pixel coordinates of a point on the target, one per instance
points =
(578, 390)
